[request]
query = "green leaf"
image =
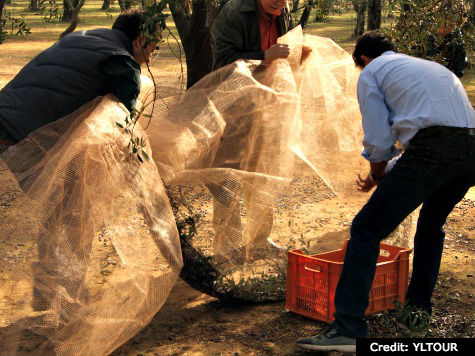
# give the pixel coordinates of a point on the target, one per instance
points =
(145, 155)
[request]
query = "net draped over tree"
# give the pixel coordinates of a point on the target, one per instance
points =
(93, 230)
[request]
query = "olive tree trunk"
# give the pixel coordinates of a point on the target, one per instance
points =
(106, 5)
(374, 14)
(193, 20)
(360, 8)
(75, 6)
(2, 4)
(33, 6)
(305, 14)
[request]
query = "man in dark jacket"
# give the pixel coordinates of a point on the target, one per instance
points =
(244, 29)
(78, 68)
(75, 70)
(248, 29)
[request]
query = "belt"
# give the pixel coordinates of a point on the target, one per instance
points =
(445, 131)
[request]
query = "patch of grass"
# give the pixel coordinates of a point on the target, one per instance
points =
(340, 28)
(337, 27)
(468, 81)
(17, 51)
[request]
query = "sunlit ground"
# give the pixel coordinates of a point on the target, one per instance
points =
(17, 51)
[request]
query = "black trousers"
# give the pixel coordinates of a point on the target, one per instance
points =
(436, 171)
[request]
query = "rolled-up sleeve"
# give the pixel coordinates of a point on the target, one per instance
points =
(378, 139)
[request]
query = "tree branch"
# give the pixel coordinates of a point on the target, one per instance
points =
(182, 21)
(75, 17)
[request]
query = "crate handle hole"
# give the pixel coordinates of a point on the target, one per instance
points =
(384, 253)
(316, 269)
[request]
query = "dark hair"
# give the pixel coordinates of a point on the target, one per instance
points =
(130, 22)
(371, 44)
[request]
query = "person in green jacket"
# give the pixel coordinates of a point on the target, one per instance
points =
(248, 29)
(244, 29)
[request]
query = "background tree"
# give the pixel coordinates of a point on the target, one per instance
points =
(306, 13)
(2, 4)
(374, 14)
(34, 5)
(125, 4)
(322, 10)
(301, 10)
(68, 8)
(360, 8)
(17, 24)
(471, 16)
(295, 5)
(434, 28)
(193, 21)
(75, 6)
(106, 5)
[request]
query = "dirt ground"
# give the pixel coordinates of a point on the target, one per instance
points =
(192, 323)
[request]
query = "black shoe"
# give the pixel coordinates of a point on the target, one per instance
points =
(328, 340)
(414, 321)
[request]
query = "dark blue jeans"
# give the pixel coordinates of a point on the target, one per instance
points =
(435, 172)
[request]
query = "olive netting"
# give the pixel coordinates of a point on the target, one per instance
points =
(256, 158)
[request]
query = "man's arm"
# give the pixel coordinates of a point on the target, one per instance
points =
(122, 77)
(378, 139)
(228, 35)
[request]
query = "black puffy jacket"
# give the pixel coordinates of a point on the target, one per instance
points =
(59, 80)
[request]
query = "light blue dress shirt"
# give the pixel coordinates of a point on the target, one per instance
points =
(399, 95)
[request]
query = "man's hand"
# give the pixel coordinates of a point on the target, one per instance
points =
(279, 50)
(306, 50)
(365, 185)
(377, 169)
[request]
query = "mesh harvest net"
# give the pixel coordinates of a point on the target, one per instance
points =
(92, 241)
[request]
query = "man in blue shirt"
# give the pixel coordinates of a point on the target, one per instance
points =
(424, 106)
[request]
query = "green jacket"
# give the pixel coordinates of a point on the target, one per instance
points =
(236, 33)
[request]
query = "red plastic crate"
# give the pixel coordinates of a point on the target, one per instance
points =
(312, 281)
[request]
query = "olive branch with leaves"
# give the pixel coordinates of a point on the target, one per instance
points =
(153, 19)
